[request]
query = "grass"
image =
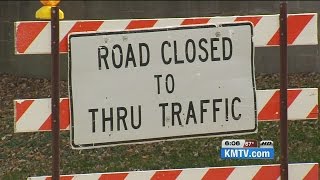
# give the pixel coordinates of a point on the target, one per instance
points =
(31, 152)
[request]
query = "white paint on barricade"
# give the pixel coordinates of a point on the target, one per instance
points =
(299, 108)
(303, 105)
(33, 37)
(306, 171)
(305, 35)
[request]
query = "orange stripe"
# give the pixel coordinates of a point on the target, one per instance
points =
(27, 33)
(116, 176)
(218, 173)
(271, 110)
(46, 126)
(195, 21)
(140, 24)
(64, 114)
(166, 175)
(314, 113)
(268, 172)
(296, 24)
(21, 108)
(64, 117)
(80, 26)
(61, 178)
(313, 173)
(253, 19)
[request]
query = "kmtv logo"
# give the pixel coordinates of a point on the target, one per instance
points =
(266, 144)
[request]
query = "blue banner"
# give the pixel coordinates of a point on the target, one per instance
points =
(247, 153)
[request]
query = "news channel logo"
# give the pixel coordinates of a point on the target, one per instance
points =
(246, 149)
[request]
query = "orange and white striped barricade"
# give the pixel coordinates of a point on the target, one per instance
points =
(306, 171)
(35, 114)
(33, 37)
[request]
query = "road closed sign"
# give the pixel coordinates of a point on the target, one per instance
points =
(149, 85)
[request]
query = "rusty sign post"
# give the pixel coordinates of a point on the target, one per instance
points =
(283, 91)
(51, 11)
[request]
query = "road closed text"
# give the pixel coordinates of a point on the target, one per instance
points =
(138, 55)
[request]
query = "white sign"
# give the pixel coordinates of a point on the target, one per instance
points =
(161, 84)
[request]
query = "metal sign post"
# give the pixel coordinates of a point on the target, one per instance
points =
(55, 99)
(283, 91)
(51, 11)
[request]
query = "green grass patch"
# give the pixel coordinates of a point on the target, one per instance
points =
(29, 154)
